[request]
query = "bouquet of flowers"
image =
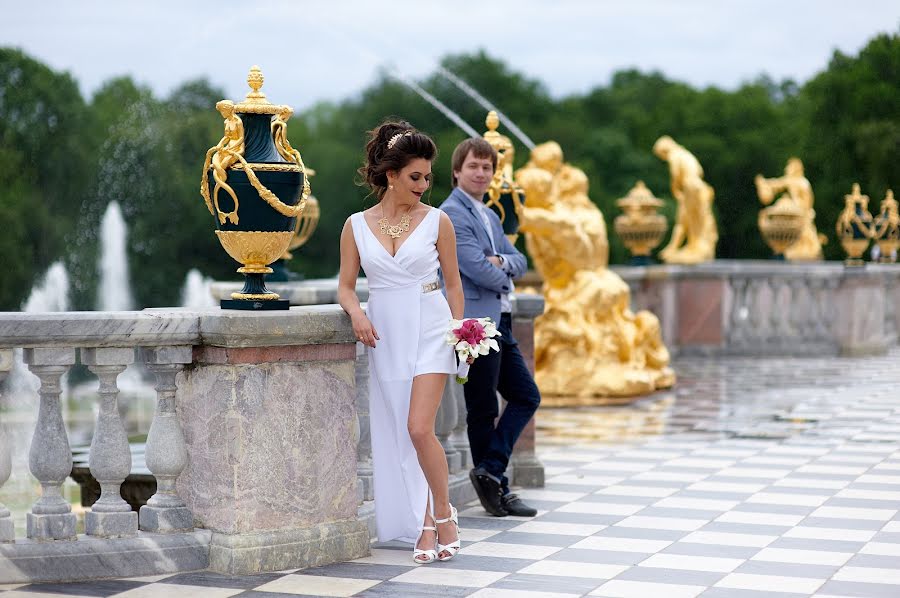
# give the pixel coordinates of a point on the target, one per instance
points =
(470, 338)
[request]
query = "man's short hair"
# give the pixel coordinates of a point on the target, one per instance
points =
(479, 147)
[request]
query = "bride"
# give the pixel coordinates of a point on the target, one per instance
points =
(401, 243)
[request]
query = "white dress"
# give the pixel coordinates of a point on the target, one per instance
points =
(411, 320)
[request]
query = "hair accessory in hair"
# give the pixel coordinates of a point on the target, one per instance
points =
(393, 140)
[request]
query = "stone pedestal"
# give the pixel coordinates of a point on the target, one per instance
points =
(268, 418)
(528, 471)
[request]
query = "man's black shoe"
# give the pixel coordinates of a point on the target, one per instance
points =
(488, 490)
(514, 506)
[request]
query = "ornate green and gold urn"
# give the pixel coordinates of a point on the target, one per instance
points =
(887, 229)
(855, 226)
(255, 184)
(640, 227)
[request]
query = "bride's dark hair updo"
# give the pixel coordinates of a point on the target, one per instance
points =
(406, 144)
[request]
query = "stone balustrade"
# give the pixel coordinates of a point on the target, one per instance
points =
(744, 307)
(260, 443)
(252, 445)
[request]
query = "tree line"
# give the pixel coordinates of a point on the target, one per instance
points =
(65, 157)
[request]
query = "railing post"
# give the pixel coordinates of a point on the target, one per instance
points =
(50, 457)
(166, 452)
(110, 457)
(7, 528)
(446, 421)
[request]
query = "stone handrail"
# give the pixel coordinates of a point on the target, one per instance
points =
(748, 307)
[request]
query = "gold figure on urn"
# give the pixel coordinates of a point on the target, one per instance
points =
(640, 227)
(789, 226)
(855, 226)
(887, 229)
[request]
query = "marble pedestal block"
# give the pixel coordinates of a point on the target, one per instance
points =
(273, 459)
(528, 471)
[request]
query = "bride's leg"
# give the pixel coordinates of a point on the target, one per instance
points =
(427, 390)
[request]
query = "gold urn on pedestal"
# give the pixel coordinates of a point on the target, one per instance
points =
(887, 229)
(641, 228)
(781, 226)
(855, 226)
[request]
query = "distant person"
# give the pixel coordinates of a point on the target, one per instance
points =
(487, 263)
(401, 243)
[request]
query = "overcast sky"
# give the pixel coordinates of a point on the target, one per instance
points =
(311, 51)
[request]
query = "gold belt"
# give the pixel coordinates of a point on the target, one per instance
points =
(431, 286)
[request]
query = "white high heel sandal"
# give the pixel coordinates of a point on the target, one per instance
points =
(431, 554)
(452, 547)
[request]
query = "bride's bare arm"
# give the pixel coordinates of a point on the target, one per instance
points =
(446, 246)
(347, 297)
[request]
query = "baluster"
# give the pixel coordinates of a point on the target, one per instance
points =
(364, 446)
(445, 423)
(460, 435)
(739, 312)
(778, 318)
(110, 458)
(7, 528)
(166, 452)
(50, 457)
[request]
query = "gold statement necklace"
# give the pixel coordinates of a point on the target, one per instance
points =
(393, 230)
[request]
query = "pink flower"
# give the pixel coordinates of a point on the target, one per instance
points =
(471, 331)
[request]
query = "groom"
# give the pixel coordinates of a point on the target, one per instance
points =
(487, 264)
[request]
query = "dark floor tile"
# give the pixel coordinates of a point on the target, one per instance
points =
(393, 589)
(100, 588)
(217, 580)
(547, 583)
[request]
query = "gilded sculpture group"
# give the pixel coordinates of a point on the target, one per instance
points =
(588, 342)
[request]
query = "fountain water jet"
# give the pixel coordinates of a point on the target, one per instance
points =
(115, 292)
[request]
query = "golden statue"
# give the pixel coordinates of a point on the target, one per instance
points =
(694, 235)
(588, 342)
(798, 195)
(505, 196)
(222, 156)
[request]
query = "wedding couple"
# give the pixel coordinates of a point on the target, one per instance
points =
(409, 251)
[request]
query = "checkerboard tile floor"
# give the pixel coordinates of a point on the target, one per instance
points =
(763, 477)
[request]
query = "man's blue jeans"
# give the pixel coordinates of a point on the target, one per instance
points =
(504, 371)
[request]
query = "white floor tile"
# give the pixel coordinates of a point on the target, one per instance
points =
(890, 480)
(771, 583)
(754, 518)
(437, 576)
(668, 523)
(597, 481)
(802, 557)
(614, 544)
(611, 465)
(868, 575)
(317, 585)
(775, 460)
(700, 504)
(698, 463)
(501, 593)
(829, 533)
(891, 526)
(563, 529)
(669, 476)
(753, 472)
(600, 508)
(881, 548)
(692, 563)
(811, 483)
(777, 498)
(798, 450)
(869, 494)
(510, 551)
(620, 588)
(729, 539)
(734, 488)
(621, 490)
(571, 569)
(171, 590)
(550, 495)
(832, 469)
(854, 513)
